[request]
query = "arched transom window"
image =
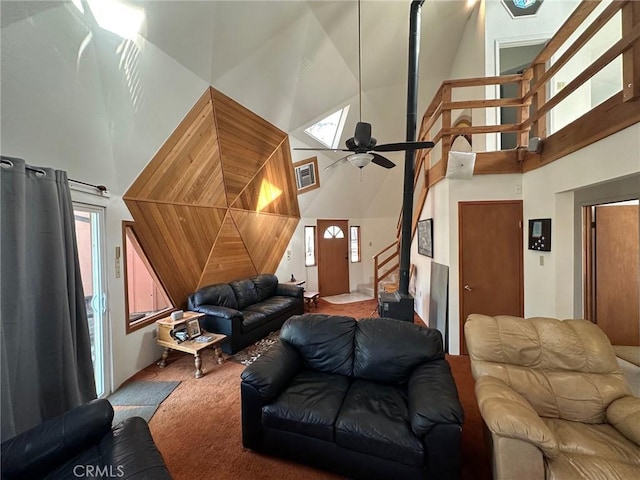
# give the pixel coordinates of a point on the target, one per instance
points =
(333, 231)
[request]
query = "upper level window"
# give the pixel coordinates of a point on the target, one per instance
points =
(333, 231)
(328, 130)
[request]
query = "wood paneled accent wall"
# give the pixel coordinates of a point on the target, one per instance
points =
(218, 201)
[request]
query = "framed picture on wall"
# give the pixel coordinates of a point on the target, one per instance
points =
(306, 173)
(425, 237)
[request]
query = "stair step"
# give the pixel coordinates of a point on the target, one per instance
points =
(366, 289)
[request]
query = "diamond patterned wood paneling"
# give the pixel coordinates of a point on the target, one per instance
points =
(229, 257)
(177, 240)
(272, 189)
(187, 169)
(247, 142)
(221, 154)
(266, 237)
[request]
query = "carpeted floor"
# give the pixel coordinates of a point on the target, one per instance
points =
(197, 428)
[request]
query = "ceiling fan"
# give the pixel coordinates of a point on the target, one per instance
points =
(362, 145)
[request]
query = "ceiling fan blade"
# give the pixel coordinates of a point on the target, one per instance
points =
(362, 135)
(396, 147)
(340, 161)
(382, 161)
(324, 149)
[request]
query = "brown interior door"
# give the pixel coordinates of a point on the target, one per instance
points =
(333, 257)
(490, 254)
(617, 275)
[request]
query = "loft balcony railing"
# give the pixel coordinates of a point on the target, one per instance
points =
(599, 41)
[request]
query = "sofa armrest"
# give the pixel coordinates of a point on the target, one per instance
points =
(35, 452)
(624, 415)
(271, 373)
(288, 290)
(508, 414)
(218, 311)
(433, 397)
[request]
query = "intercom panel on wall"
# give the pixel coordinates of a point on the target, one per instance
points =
(540, 234)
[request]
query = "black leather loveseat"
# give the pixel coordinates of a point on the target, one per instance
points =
(367, 399)
(81, 443)
(246, 310)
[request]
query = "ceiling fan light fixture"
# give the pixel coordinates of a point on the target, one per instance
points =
(360, 160)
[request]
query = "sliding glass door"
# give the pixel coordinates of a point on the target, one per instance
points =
(89, 222)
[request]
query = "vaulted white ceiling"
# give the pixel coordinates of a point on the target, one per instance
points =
(291, 62)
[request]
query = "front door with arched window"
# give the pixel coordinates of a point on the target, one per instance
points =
(333, 257)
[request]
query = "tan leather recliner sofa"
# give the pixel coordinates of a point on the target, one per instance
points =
(554, 400)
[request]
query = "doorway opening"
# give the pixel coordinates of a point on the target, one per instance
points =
(512, 59)
(611, 272)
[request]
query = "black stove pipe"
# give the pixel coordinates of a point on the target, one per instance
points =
(412, 117)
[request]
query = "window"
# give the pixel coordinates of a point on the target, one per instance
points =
(354, 244)
(145, 298)
(307, 175)
(333, 232)
(309, 246)
(328, 130)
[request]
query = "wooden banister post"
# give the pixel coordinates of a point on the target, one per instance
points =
(539, 127)
(446, 124)
(631, 58)
(523, 115)
(375, 276)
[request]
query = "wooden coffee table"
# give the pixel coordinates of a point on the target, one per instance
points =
(192, 346)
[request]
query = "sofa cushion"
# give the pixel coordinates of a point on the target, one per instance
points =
(245, 291)
(220, 294)
(309, 405)
(597, 440)
(265, 285)
(325, 342)
(387, 350)
(274, 306)
(374, 419)
(564, 368)
(252, 319)
(589, 467)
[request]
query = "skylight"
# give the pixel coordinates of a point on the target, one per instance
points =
(328, 130)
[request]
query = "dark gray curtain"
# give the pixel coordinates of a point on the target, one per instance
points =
(46, 364)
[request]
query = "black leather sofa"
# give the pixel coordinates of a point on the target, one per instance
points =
(246, 310)
(367, 399)
(81, 443)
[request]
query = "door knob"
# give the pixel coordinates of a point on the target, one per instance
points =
(468, 288)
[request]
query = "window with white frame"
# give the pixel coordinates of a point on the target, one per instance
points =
(354, 244)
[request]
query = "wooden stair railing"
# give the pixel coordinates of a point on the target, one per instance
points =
(379, 263)
(620, 110)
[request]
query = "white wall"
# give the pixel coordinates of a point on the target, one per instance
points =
(551, 192)
(469, 63)
(99, 112)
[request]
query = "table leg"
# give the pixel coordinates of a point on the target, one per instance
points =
(163, 361)
(198, 362)
(218, 354)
